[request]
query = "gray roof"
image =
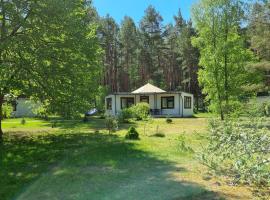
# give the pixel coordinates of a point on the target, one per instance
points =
(148, 89)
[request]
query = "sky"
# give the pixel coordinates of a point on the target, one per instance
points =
(135, 8)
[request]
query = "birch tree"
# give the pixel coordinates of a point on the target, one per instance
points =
(223, 56)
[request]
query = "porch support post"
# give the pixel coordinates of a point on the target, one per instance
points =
(115, 111)
(155, 99)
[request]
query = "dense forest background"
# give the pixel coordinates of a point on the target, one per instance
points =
(161, 54)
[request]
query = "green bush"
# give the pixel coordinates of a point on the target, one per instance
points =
(111, 124)
(183, 147)
(158, 133)
(266, 108)
(132, 134)
(140, 111)
(125, 115)
(41, 111)
(23, 121)
(169, 120)
(7, 110)
(102, 116)
(255, 109)
(240, 149)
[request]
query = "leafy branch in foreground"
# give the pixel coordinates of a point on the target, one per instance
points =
(240, 149)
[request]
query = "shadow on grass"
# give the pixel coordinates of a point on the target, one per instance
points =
(88, 166)
(93, 123)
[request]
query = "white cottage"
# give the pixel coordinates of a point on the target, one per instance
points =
(162, 103)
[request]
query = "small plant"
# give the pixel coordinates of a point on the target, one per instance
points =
(23, 121)
(183, 146)
(111, 124)
(102, 116)
(158, 133)
(7, 110)
(132, 134)
(85, 119)
(54, 124)
(169, 120)
(125, 115)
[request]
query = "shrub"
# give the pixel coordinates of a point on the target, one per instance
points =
(240, 149)
(23, 121)
(54, 124)
(42, 112)
(85, 119)
(125, 115)
(183, 147)
(140, 111)
(111, 124)
(158, 133)
(102, 116)
(256, 109)
(132, 134)
(266, 108)
(7, 110)
(169, 120)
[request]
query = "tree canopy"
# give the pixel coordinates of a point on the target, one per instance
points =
(223, 54)
(49, 50)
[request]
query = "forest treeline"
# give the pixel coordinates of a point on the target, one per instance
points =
(151, 51)
(163, 54)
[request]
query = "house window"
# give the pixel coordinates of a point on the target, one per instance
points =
(144, 99)
(109, 103)
(167, 102)
(187, 102)
(127, 102)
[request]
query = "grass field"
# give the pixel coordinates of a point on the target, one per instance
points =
(77, 160)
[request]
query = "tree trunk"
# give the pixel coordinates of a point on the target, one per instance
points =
(1, 117)
(226, 86)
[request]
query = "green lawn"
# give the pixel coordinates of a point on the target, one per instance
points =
(74, 161)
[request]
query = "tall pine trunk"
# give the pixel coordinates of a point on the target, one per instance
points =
(1, 117)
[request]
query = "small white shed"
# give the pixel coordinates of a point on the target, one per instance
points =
(162, 103)
(24, 107)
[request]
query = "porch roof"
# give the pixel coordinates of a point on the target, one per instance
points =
(148, 89)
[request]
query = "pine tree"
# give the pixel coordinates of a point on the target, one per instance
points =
(259, 32)
(129, 72)
(109, 38)
(151, 47)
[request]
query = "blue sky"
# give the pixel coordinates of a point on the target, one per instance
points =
(135, 8)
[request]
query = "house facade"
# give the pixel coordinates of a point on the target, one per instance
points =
(162, 103)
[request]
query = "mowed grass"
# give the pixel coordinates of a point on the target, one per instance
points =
(77, 160)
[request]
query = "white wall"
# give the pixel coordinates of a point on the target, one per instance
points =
(188, 112)
(110, 112)
(178, 109)
(26, 108)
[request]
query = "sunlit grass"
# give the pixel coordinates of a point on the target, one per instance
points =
(74, 161)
